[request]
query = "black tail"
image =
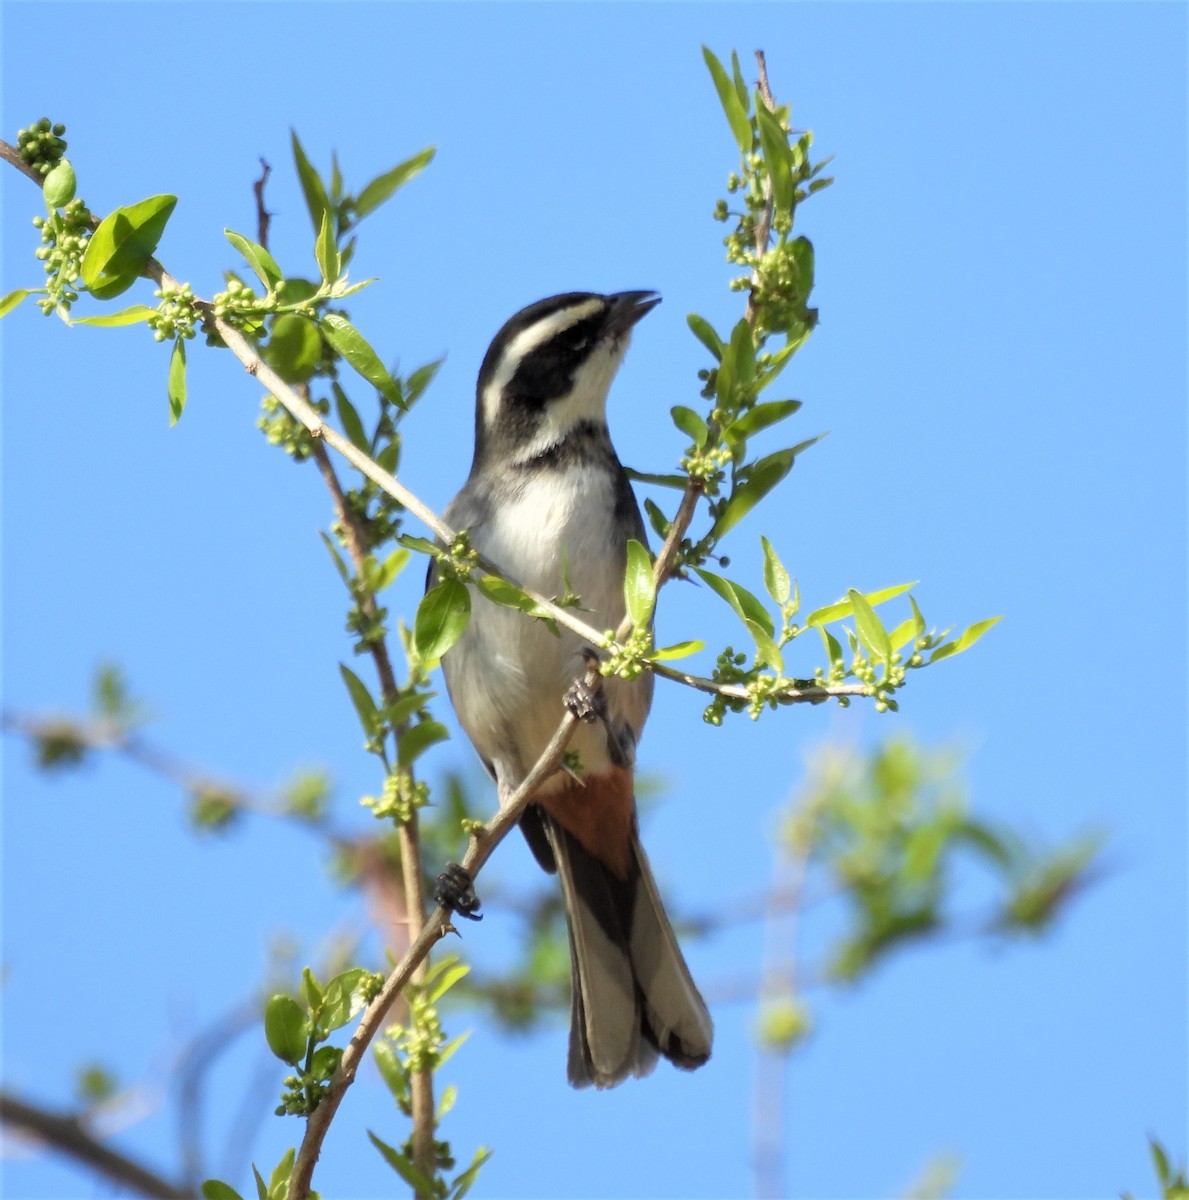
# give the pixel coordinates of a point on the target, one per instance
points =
(633, 996)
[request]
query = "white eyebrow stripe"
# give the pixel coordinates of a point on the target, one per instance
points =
(525, 342)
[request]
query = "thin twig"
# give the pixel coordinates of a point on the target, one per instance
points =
(109, 737)
(421, 1083)
(263, 216)
(435, 928)
(66, 1133)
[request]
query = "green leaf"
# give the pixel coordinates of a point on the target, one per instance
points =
(741, 354)
(704, 332)
(349, 419)
(261, 1186)
(420, 544)
(325, 1061)
(399, 712)
(402, 1164)
(10, 301)
(965, 640)
(508, 595)
(442, 618)
(657, 519)
(446, 980)
(383, 186)
(336, 558)
(903, 633)
(58, 186)
(755, 481)
(464, 1182)
(350, 343)
(746, 605)
(365, 706)
(669, 481)
(776, 578)
(418, 738)
(285, 1028)
(737, 77)
(391, 1071)
(639, 585)
(448, 1050)
(918, 621)
(311, 990)
(1160, 1162)
(833, 649)
(760, 417)
(734, 108)
(767, 652)
(777, 156)
(392, 566)
(119, 250)
(691, 424)
(326, 251)
(215, 1189)
(177, 381)
(420, 380)
(312, 186)
(279, 1179)
(294, 347)
(677, 650)
(133, 315)
(869, 627)
(447, 1102)
(342, 1000)
(844, 608)
(263, 265)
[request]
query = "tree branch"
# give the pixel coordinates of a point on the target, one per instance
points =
(435, 928)
(67, 1134)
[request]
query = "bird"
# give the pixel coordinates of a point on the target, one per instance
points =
(548, 501)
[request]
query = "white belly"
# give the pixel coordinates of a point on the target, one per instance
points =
(508, 673)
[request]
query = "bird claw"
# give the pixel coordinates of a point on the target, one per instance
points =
(454, 889)
(583, 699)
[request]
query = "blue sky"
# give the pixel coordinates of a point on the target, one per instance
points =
(1001, 367)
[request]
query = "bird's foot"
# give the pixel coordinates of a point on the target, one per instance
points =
(455, 890)
(584, 698)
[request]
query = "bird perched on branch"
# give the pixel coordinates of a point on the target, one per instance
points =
(548, 501)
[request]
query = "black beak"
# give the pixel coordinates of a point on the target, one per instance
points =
(626, 308)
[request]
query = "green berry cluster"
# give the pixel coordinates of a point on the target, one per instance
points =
(728, 669)
(63, 240)
(178, 314)
(241, 308)
(626, 660)
(781, 288)
(286, 431)
(304, 1089)
(708, 465)
(400, 797)
(42, 145)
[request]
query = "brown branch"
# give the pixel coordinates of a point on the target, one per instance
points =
(482, 846)
(421, 1083)
(11, 155)
(67, 1133)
